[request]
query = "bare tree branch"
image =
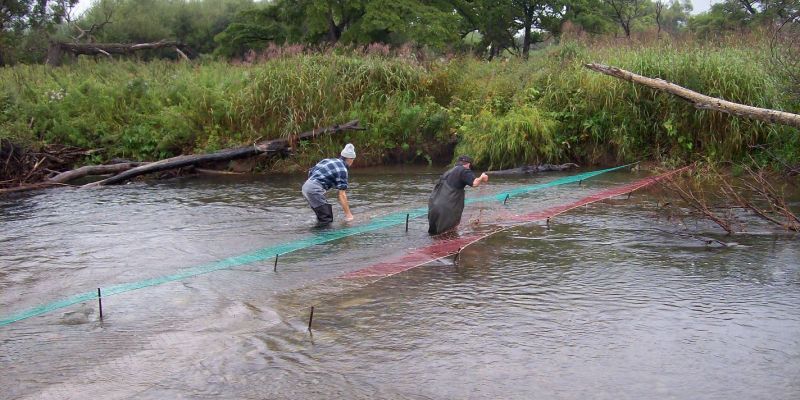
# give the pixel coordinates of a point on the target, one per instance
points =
(702, 101)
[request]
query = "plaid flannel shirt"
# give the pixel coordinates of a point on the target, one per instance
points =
(330, 172)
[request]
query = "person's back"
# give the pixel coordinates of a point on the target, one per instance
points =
(446, 203)
(329, 173)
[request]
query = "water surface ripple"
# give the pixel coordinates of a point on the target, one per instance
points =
(598, 305)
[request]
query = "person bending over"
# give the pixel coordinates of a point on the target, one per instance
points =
(327, 174)
(446, 202)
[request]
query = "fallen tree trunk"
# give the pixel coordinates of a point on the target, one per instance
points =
(271, 148)
(532, 169)
(56, 51)
(702, 101)
(90, 170)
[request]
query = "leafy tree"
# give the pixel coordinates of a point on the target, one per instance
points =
(497, 26)
(589, 15)
(193, 23)
(626, 12)
(533, 16)
(671, 16)
(493, 21)
(329, 19)
(252, 29)
(720, 18)
(402, 21)
(25, 17)
(424, 22)
(732, 15)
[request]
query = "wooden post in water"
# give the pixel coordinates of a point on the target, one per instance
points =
(100, 303)
(310, 318)
(407, 215)
(506, 199)
(275, 267)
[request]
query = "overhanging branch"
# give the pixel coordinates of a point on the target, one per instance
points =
(702, 101)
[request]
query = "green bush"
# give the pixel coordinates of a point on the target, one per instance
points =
(504, 113)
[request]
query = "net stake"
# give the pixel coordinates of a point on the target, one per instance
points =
(310, 318)
(275, 267)
(100, 303)
(407, 215)
(506, 199)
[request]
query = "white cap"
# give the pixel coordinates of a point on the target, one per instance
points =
(349, 151)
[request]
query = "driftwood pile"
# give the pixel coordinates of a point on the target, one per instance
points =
(22, 167)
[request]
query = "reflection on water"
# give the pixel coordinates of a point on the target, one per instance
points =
(599, 305)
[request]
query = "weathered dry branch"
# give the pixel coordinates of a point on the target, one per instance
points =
(753, 192)
(90, 170)
(699, 203)
(56, 51)
(788, 169)
(20, 166)
(702, 101)
(763, 188)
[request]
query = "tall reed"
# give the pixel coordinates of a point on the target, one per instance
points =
(504, 113)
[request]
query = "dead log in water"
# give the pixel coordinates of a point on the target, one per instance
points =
(270, 148)
(92, 170)
(533, 169)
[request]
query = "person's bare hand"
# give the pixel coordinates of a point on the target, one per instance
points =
(348, 217)
(485, 177)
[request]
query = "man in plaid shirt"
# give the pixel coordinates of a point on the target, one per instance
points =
(327, 174)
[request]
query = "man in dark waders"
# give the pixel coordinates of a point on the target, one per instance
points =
(327, 174)
(447, 200)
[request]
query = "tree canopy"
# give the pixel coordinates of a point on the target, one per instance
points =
(489, 28)
(22, 22)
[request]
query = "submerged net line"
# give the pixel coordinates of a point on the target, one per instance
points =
(449, 247)
(281, 249)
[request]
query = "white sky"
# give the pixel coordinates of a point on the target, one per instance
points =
(82, 6)
(699, 6)
(703, 5)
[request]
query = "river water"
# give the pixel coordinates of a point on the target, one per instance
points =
(598, 304)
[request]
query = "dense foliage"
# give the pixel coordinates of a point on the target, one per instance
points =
(488, 28)
(502, 79)
(546, 109)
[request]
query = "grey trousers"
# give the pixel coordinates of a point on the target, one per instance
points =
(315, 196)
(314, 193)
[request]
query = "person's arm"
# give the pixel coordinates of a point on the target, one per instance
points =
(342, 185)
(348, 216)
(483, 178)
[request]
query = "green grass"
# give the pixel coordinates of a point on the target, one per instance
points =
(504, 113)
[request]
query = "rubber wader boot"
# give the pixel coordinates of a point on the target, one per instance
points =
(324, 214)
